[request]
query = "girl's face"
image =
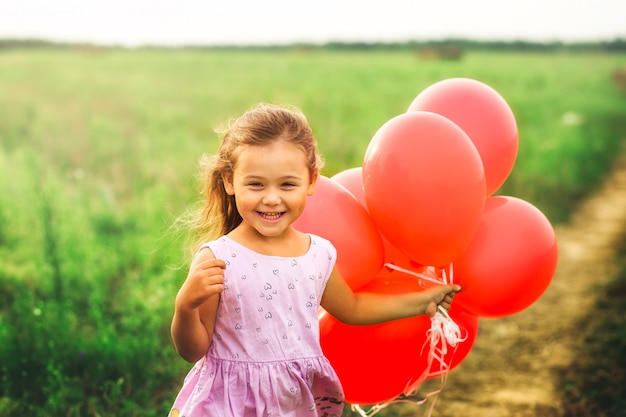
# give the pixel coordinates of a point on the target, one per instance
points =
(270, 184)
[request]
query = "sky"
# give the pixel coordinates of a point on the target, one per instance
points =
(206, 22)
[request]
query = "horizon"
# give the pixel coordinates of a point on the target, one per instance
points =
(467, 41)
(136, 23)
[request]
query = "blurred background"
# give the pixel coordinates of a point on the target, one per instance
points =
(107, 106)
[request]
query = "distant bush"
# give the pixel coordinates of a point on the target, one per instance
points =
(450, 52)
(619, 78)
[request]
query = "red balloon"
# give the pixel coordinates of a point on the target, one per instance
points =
(424, 186)
(377, 363)
(510, 262)
(468, 324)
(352, 180)
(484, 115)
(332, 212)
(396, 257)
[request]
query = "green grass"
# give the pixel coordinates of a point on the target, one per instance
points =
(98, 156)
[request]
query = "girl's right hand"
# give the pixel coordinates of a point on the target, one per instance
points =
(204, 280)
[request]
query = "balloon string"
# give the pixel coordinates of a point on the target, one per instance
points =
(444, 278)
(443, 332)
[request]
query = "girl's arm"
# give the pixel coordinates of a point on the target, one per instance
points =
(196, 306)
(372, 308)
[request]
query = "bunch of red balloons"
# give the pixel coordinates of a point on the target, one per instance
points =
(424, 200)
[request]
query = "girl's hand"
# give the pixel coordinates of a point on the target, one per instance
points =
(204, 280)
(196, 306)
(440, 295)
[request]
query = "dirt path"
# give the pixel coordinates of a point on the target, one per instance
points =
(514, 366)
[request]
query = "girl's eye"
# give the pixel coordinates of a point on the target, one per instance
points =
(255, 184)
(289, 185)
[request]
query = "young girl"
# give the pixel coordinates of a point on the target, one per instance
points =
(247, 313)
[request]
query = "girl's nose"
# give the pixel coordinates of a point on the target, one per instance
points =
(271, 198)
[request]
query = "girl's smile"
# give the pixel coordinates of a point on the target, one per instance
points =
(270, 184)
(271, 216)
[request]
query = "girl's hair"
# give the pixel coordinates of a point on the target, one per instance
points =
(261, 125)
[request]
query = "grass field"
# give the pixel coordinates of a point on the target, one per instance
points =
(98, 156)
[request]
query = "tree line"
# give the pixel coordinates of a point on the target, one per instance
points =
(615, 45)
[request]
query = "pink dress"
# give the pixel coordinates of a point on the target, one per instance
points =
(266, 359)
